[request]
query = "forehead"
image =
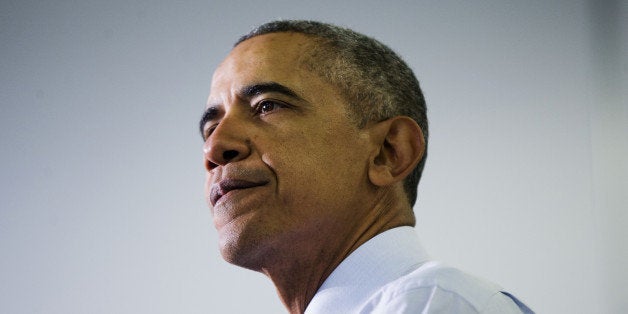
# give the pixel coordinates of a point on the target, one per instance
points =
(276, 57)
(285, 46)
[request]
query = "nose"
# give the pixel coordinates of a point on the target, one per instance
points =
(227, 143)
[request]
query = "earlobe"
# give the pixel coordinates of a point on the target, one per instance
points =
(400, 147)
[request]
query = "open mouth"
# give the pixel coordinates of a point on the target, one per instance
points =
(225, 186)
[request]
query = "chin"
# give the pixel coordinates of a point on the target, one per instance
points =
(244, 249)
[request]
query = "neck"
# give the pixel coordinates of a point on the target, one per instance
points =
(298, 273)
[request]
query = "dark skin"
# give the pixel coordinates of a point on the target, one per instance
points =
(293, 184)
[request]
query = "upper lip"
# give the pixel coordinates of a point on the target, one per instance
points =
(224, 186)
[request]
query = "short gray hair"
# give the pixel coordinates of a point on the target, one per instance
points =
(373, 79)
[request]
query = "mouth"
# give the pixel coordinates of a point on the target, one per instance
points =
(223, 187)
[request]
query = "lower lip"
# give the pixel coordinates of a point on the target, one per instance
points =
(234, 204)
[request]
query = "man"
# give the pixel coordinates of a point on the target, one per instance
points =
(315, 139)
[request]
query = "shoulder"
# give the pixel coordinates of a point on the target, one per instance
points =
(437, 288)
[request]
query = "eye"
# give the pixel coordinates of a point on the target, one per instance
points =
(208, 131)
(267, 106)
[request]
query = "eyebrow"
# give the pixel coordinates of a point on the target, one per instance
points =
(248, 92)
(253, 90)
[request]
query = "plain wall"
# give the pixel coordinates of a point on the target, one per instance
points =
(101, 173)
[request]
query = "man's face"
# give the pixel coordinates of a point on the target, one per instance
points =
(287, 169)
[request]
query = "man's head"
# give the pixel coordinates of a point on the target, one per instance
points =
(295, 170)
(376, 83)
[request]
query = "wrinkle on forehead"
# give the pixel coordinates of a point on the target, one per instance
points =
(275, 57)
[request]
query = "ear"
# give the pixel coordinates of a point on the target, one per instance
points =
(400, 147)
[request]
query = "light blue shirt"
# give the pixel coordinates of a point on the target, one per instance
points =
(391, 273)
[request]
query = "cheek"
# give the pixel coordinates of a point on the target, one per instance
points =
(311, 154)
(295, 162)
(286, 149)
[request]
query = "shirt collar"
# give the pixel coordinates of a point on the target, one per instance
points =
(382, 259)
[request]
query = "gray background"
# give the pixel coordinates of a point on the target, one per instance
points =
(101, 173)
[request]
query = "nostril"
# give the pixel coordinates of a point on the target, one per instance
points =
(210, 165)
(229, 154)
